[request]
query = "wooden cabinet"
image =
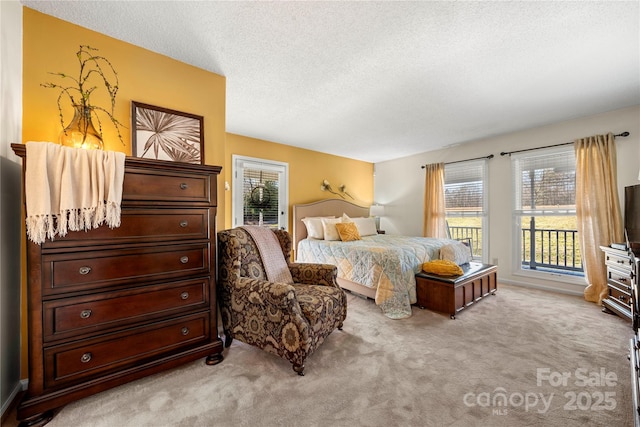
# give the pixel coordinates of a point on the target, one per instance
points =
(623, 267)
(452, 294)
(634, 360)
(634, 344)
(620, 279)
(108, 306)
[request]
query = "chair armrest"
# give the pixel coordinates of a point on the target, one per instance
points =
(261, 292)
(314, 274)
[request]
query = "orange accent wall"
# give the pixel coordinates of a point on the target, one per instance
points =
(307, 170)
(50, 45)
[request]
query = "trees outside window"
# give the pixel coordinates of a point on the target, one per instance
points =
(545, 211)
(260, 189)
(466, 203)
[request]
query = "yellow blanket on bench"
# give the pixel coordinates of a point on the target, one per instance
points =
(442, 267)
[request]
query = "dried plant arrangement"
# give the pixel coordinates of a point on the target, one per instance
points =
(94, 72)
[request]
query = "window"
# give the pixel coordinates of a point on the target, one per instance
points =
(260, 193)
(545, 211)
(466, 203)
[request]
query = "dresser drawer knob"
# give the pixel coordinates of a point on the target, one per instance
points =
(183, 185)
(184, 295)
(184, 259)
(86, 357)
(185, 330)
(85, 314)
(85, 270)
(184, 223)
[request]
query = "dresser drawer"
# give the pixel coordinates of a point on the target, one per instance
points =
(74, 317)
(82, 360)
(620, 277)
(618, 261)
(143, 225)
(621, 295)
(82, 271)
(144, 185)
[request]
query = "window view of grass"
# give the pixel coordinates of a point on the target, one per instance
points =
(556, 245)
(467, 228)
(544, 184)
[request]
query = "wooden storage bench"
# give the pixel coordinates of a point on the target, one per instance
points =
(453, 294)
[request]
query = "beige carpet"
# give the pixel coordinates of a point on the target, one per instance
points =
(427, 370)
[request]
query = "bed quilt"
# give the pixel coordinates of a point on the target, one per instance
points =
(384, 262)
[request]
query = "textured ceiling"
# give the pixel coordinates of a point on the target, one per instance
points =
(376, 81)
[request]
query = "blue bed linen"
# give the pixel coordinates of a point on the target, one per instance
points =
(386, 263)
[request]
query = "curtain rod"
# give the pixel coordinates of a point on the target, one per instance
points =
(504, 153)
(490, 156)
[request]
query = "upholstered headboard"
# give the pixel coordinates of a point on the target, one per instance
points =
(335, 207)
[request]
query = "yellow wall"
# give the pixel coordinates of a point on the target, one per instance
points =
(50, 44)
(307, 170)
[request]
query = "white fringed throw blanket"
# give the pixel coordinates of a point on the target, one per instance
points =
(275, 265)
(71, 189)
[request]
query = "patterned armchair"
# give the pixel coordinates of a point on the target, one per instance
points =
(290, 321)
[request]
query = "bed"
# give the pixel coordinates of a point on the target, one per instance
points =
(378, 266)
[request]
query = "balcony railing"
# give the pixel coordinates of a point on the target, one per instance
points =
(550, 249)
(474, 234)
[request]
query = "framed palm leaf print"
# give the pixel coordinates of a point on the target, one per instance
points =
(163, 134)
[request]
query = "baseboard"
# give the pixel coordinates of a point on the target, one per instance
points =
(13, 399)
(541, 287)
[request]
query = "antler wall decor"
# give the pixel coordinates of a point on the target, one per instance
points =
(327, 187)
(343, 189)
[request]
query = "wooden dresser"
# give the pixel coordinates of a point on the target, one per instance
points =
(623, 268)
(634, 344)
(109, 306)
(620, 277)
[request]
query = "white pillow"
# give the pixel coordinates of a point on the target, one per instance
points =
(365, 226)
(329, 228)
(456, 252)
(314, 226)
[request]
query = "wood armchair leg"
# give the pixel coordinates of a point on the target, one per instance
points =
(227, 339)
(299, 369)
